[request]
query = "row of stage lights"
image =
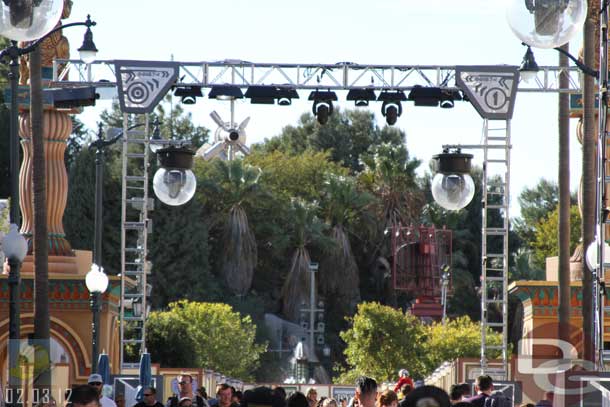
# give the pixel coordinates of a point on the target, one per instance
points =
(322, 108)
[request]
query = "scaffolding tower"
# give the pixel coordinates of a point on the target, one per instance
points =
(134, 243)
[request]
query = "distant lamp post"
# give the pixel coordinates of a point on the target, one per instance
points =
(452, 186)
(97, 283)
(15, 248)
(174, 183)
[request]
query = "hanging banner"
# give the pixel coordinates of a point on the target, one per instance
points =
(142, 84)
(491, 89)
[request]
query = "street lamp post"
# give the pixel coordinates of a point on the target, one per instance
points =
(15, 248)
(96, 280)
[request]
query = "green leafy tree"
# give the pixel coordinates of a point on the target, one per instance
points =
(459, 337)
(205, 335)
(380, 341)
(546, 236)
(301, 176)
(5, 187)
(76, 141)
(347, 136)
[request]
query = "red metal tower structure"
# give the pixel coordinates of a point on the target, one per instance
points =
(421, 255)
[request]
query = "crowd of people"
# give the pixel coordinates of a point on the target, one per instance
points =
(366, 394)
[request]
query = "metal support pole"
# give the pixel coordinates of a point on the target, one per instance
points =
(99, 181)
(312, 315)
(14, 278)
(95, 335)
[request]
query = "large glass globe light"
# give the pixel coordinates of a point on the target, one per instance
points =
(452, 191)
(27, 20)
(174, 186)
(591, 255)
(452, 186)
(546, 23)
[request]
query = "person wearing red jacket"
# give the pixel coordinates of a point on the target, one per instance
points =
(403, 379)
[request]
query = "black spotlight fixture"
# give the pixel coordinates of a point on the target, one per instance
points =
(285, 95)
(188, 94)
(323, 104)
(361, 97)
(391, 108)
(448, 98)
(268, 94)
(261, 94)
(425, 96)
(225, 92)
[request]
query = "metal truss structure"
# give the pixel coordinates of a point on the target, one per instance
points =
(339, 76)
(346, 76)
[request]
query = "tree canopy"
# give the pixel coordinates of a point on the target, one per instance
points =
(209, 335)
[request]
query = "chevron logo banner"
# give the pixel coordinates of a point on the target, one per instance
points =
(143, 84)
(491, 89)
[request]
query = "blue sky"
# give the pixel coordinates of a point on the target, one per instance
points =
(403, 32)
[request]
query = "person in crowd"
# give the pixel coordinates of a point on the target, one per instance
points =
(120, 400)
(224, 395)
(321, 401)
(237, 396)
(297, 399)
(329, 402)
(484, 386)
(527, 405)
(312, 397)
(85, 396)
(387, 399)
(185, 402)
(343, 402)
(547, 401)
(404, 391)
(202, 392)
(96, 381)
(429, 396)
(279, 392)
(456, 393)
(366, 392)
(149, 398)
(185, 388)
(403, 378)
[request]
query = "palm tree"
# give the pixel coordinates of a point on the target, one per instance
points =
(234, 190)
(306, 229)
(389, 174)
(344, 208)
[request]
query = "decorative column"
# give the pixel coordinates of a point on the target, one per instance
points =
(57, 127)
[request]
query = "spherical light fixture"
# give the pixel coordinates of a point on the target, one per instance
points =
(174, 183)
(452, 186)
(14, 245)
(591, 255)
(546, 23)
(96, 280)
(29, 20)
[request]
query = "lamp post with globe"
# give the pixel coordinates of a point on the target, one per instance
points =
(15, 249)
(97, 283)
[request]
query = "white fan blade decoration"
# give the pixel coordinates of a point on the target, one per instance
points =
(216, 117)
